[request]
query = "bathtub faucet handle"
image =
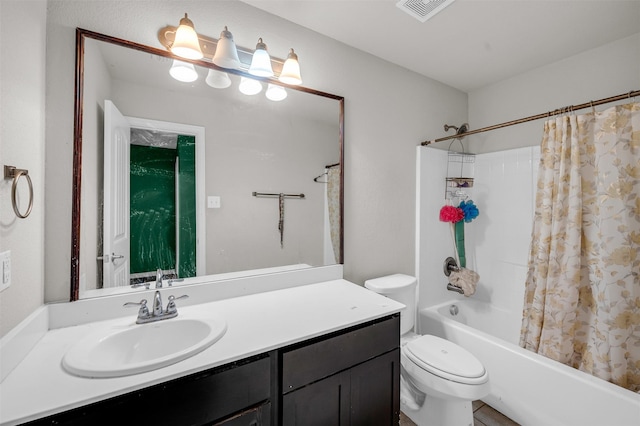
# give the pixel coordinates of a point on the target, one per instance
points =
(449, 266)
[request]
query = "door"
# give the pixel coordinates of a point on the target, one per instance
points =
(116, 198)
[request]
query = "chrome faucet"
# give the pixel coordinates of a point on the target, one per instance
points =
(455, 288)
(157, 314)
(159, 276)
(157, 304)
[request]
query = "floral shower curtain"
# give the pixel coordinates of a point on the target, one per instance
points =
(582, 297)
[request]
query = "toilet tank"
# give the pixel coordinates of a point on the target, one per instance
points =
(401, 288)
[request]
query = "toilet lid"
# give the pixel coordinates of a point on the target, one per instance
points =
(446, 359)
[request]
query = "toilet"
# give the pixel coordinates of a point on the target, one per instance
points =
(438, 379)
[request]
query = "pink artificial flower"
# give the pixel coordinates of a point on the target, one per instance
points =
(451, 214)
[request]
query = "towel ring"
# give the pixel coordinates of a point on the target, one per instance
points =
(10, 172)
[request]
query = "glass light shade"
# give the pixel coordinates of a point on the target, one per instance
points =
(226, 55)
(249, 86)
(275, 92)
(183, 71)
(186, 44)
(261, 61)
(291, 70)
(218, 79)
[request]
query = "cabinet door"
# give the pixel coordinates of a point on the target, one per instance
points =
(375, 391)
(365, 395)
(322, 403)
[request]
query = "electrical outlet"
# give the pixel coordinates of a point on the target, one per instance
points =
(5, 270)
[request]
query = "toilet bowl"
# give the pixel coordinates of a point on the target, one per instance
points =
(439, 379)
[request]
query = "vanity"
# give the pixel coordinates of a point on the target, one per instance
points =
(317, 353)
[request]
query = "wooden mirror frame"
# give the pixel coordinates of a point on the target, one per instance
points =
(81, 34)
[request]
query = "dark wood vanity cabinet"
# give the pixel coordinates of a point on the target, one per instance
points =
(350, 377)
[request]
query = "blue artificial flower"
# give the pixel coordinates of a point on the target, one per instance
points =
(469, 209)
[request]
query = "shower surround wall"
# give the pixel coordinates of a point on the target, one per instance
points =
(497, 242)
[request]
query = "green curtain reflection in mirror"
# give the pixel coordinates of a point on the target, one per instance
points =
(163, 223)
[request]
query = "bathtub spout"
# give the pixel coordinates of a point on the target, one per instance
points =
(457, 289)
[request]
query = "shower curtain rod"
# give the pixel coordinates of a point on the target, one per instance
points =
(567, 109)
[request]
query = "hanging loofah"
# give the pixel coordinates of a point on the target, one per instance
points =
(451, 214)
(469, 210)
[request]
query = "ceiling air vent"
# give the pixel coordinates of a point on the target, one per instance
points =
(423, 9)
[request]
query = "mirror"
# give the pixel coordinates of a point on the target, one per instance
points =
(199, 182)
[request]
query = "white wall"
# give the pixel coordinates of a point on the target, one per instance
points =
(434, 241)
(499, 239)
(22, 135)
(383, 122)
(496, 242)
(253, 146)
(606, 71)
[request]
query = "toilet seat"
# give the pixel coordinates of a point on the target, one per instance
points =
(445, 359)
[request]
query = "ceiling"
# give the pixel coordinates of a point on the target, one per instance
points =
(470, 43)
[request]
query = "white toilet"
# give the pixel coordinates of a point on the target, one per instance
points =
(439, 379)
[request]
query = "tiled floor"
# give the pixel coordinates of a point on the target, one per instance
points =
(483, 415)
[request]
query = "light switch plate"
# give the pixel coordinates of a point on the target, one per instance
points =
(213, 202)
(5, 270)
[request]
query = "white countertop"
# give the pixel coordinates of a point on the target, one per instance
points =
(256, 323)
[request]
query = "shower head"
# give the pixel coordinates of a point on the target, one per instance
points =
(464, 128)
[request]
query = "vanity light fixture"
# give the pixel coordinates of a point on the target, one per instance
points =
(183, 71)
(275, 93)
(186, 43)
(249, 86)
(214, 50)
(226, 55)
(218, 79)
(291, 70)
(261, 61)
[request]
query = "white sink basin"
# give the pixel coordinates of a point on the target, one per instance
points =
(137, 348)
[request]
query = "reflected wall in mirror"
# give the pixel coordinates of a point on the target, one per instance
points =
(165, 171)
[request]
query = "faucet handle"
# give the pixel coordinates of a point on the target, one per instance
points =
(171, 306)
(143, 312)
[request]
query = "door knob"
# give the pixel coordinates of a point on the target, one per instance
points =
(105, 258)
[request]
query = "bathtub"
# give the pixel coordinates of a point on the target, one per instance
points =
(528, 388)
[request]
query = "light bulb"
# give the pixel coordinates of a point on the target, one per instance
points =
(183, 71)
(186, 44)
(218, 79)
(226, 55)
(291, 70)
(249, 86)
(261, 61)
(275, 92)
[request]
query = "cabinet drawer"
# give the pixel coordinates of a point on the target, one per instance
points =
(329, 355)
(257, 416)
(213, 396)
(197, 399)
